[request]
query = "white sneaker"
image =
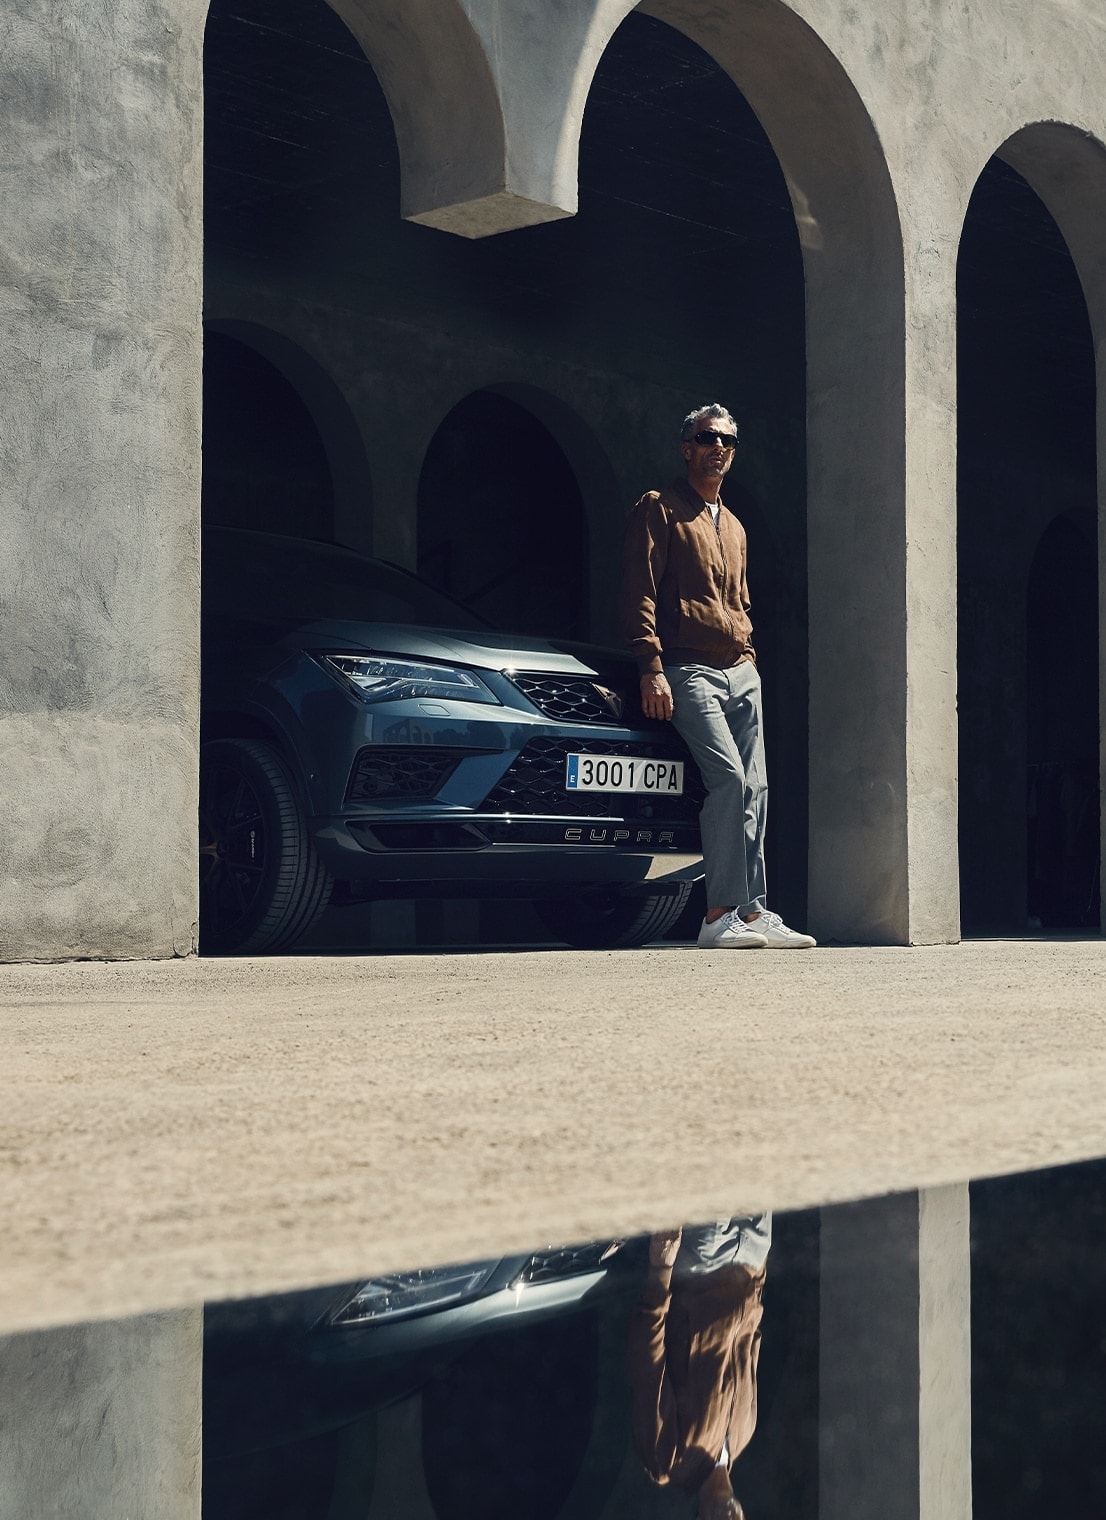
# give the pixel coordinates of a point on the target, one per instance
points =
(776, 934)
(730, 932)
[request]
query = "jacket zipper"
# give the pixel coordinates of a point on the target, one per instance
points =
(725, 573)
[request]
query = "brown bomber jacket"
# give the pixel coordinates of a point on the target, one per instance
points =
(692, 1353)
(685, 596)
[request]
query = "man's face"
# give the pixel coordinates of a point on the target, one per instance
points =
(711, 459)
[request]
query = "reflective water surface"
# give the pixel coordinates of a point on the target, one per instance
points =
(821, 1363)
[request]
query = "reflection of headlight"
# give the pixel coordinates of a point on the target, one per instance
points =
(405, 1293)
(565, 1261)
(409, 1292)
(379, 680)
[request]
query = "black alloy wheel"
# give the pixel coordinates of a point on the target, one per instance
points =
(614, 918)
(262, 884)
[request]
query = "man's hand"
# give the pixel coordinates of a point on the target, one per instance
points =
(656, 695)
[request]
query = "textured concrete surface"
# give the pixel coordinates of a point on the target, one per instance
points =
(177, 1131)
(100, 283)
(102, 1421)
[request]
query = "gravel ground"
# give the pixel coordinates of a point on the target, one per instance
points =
(178, 1131)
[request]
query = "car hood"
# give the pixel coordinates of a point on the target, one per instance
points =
(483, 648)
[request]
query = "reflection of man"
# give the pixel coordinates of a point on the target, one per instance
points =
(685, 614)
(694, 1343)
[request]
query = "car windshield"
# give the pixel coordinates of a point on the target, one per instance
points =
(262, 575)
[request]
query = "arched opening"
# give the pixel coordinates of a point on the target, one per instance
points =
(264, 461)
(877, 766)
(708, 228)
(501, 519)
(330, 419)
(1027, 568)
(1062, 726)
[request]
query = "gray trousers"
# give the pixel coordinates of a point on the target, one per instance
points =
(718, 714)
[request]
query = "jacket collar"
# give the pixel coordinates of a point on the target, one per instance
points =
(692, 500)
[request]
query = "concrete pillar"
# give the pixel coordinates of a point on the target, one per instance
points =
(100, 248)
(895, 1358)
(102, 1421)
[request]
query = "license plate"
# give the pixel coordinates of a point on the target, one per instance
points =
(623, 773)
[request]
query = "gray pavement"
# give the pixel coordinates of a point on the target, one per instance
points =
(182, 1130)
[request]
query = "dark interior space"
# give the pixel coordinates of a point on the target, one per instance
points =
(1039, 1344)
(681, 272)
(1027, 625)
(264, 464)
(501, 519)
(302, 183)
(1062, 726)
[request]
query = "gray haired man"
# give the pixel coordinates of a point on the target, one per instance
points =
(685, 615)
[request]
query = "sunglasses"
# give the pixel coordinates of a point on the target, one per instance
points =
(705, 436)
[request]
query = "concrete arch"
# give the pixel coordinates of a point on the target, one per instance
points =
(487, 102)
(1066, 167)
(439, 79)
(332, 416)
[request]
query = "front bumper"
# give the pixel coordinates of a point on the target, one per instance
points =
(490, 854)
(493, 820)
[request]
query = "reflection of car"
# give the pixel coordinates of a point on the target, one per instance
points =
(289, 1367)
(435, 1305)
(366, 737)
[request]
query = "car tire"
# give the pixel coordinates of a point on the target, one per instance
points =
(613, 919)
(262, 884)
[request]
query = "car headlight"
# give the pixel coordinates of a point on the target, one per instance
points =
(407, 1293)
(389, 680)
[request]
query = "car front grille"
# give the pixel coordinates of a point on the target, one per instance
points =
(535, 783)
(570, 699)
(392, 770)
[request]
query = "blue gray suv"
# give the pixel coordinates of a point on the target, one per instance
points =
(366, 737)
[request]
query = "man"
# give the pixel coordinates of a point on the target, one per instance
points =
(685, 614)
(693, 1346)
